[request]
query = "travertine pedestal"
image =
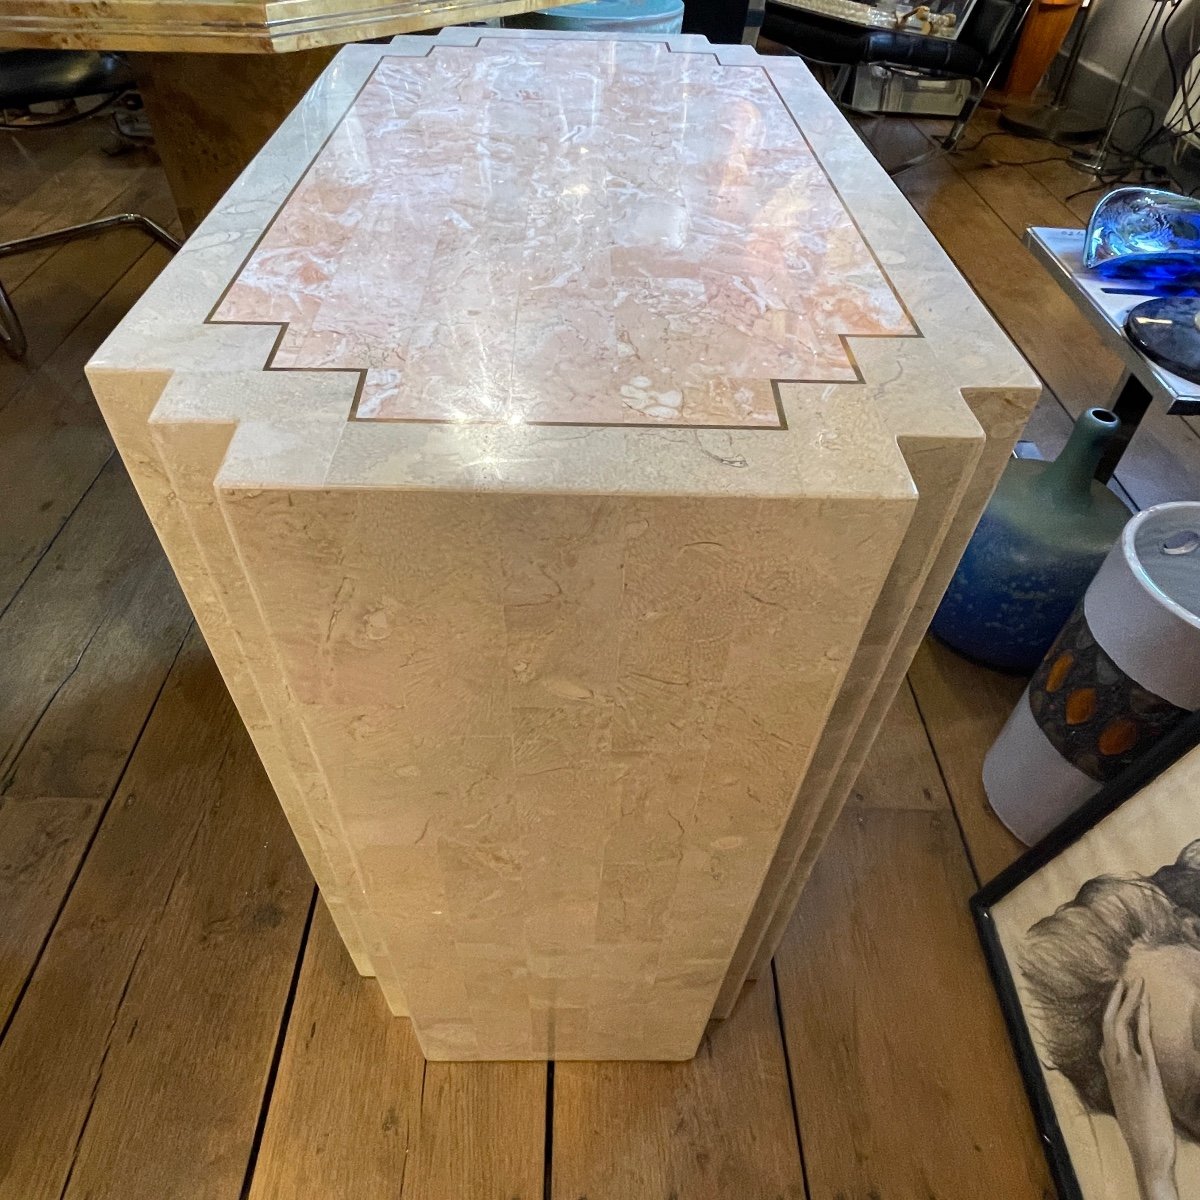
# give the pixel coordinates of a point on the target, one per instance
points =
(563, 443)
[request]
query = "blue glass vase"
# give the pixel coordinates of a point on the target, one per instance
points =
(1042, 537)
(1145, 233)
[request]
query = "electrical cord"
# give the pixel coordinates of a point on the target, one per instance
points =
(1025, 162)
(1119, 179)
(1168, 53)
(983, 138)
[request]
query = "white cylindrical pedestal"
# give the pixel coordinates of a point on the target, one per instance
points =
(1124, 670)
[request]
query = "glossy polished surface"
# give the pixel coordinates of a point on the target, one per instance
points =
(560, 713)
(1145, 233)
(1167, 329)
(230, 26)
(577, 232)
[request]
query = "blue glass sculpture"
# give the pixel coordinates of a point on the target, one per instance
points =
(1145, 233)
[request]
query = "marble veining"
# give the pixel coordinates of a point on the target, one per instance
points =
(567, 232)
(561, 716)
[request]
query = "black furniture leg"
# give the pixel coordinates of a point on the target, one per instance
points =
(12, 336)
(1129, 406)
(951, 140)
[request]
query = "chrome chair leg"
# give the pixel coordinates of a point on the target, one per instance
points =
(840, 80)
(39, 241)
(949, 143)
(951, 140)
(12, 336)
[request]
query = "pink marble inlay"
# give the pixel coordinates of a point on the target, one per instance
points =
(567, 231)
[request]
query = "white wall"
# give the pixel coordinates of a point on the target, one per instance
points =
(1112, 29)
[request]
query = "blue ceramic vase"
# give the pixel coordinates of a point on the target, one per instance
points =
(1043, 536)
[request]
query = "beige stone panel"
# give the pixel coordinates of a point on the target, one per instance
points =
(573, 705)
(563, 577)
(923, 401)
(193, 443)
(1004, 412)
(502, 866)
(172, 468)
(820, 798)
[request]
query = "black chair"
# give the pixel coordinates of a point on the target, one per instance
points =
(39, 76)
(983, 44)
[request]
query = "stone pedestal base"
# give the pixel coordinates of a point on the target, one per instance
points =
(563, 443)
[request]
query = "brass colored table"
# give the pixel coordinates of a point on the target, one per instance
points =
(218, 76)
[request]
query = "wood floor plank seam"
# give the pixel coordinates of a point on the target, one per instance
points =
(100, 819)
(285, 1018)
(15, 296)
(66, 1184)
(791, 1085)
(100, 611)
(140, 197)
(970, 174)
(904, 1077)
(632, 1135)
(83, 1126)
(6, 782)
(50, 364)
(33, 566)
(13, 753)
(160, 910)
(548, 1151)
(42, 844)
(40, 155)
(57, 440)
(952, 803)
(65, 182)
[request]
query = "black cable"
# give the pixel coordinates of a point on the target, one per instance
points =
(1166, 47)
(1132, 157)
(1022, 162)
(1188, 128)
(980, 140)
(1151, 129)
(1111, 181)
(1084, 191)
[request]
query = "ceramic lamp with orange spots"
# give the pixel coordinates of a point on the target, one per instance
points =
(1124, 670)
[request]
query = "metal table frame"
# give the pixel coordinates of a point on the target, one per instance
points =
(1106, 303)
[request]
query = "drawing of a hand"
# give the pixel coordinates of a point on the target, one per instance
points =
(1135, 1085)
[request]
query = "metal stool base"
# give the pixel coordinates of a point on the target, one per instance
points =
(12, 336)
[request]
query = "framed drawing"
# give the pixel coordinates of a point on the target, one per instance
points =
(1093, 940)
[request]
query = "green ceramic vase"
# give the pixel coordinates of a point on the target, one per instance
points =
(1043, 536)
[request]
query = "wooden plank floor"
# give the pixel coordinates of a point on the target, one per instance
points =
(178, 1020)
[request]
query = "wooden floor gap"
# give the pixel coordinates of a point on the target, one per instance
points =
(962, 833)
(861, 1132)
(87, 1116)
(33, 566)
(787, 1067)
(66, 896)
(548, 1151)
(273, 1071)
(62, 683)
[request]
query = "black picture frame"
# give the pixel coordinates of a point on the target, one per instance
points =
(1163, 755)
